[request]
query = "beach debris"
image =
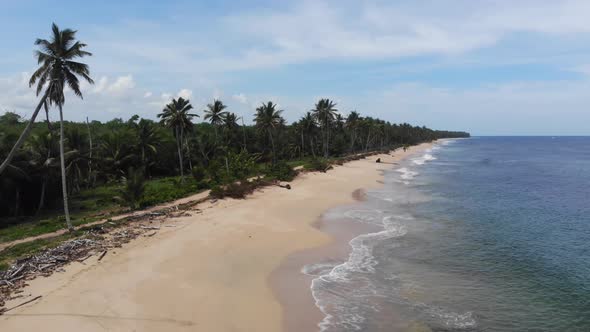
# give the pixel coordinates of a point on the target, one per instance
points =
(97, 240)
(2, 311)
(286, 186)
(378, 160)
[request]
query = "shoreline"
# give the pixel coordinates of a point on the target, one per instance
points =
(216, 259)
(292, 286)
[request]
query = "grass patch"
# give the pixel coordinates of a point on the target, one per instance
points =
(168, 189)
(98, 203)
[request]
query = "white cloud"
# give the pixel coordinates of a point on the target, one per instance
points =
(240, 98)
(100, 85)
(122, 84)
(185, 93)
(325, 32)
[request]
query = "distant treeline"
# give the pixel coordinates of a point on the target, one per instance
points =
(98, 153)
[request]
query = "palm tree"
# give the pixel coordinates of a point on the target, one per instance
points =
(116, 153)
(42, 147)
(215, 114)
(352, 123)
(308, 128)
(267, 119)
(325, 113)
(58, 68)
(147, 140)
(176, 116)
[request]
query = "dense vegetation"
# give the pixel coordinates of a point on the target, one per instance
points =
(216, 152)
(140, 162)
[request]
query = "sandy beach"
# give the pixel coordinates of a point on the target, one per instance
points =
(215, 270)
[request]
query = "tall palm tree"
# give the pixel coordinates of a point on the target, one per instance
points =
(325, 112)
(267, 119)
(215, 114)
(352, 123)
(308, 129)
(176, 116)
(58, 69)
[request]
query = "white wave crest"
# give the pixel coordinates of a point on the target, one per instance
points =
(406, 173)
(426, 157)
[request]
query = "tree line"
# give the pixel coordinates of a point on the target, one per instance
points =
(45, 162)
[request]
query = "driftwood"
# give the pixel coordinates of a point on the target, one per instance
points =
(102, 255)
(97, 240)
(2, 311)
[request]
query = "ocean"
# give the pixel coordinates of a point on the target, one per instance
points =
(479, 234)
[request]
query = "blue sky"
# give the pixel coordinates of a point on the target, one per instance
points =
(489, 67)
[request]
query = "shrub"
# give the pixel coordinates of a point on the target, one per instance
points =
(198, 174)
(133, 188)
(215, 170)
(236, 190)
(217, 192)
(281, 171)
(242, 164)
(317, 164)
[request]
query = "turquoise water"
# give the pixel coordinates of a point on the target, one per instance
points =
(481, 234)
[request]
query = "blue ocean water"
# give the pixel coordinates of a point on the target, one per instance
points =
(479, 234)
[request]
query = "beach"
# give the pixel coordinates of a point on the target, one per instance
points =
(218, 269)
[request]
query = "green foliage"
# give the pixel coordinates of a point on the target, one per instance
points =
(317, 164)
(198, 174)
(237, 190)
(133, 188)
(281, 171)
(168, 189)
(242, 165)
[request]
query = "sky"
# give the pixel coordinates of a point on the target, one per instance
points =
(487, 67)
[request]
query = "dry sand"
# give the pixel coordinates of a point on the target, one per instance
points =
(209, 273)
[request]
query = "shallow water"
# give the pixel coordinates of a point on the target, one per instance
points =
(483, 234)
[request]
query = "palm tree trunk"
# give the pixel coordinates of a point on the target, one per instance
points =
(215, 130)
(244, 132)
(367, 143)
(272, 143)
(42, 198)
(17, 201)
(178, 143)
(24, 134)
(89, 154)
(188, 153)
(63, 170)
(327, 139)
(302, 146)
(312, 149)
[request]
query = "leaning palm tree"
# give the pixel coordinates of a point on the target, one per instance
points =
(215, 114)
(267, 119)
(176, 116)
(58, 69)
(325, 113)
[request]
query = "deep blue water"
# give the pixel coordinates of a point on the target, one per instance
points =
(481, 234)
